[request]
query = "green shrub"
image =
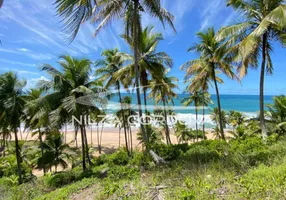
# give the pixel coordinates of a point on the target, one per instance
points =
(249, 152)
(187, 195)
(8, 167)
(110, 188)
(171, 152)
(119, 158)
(123, 172)
(29, 190)
(206, 151)
(265, 182)
(63, 178)
(139, 159)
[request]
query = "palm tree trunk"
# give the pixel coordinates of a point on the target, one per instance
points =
(86, 146)
(261, 98)
(131, 142)
(204, 135)
(197, 126)
(98, 140)
(219, 108)
(119, 131)
(91, 134)
(57, 160)
(135, 41)
(123, 118)
(130, 130)
(18, 157)
(82, 148)
(166, 124)
(145, 102)
(42, 149)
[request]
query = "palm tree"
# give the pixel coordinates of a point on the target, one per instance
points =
(264, 22)
(196, 99)
(162, 91)
(215, 117)
(98, 117)
(123, 115)
(34, 119)
(216, 132)
(67, 86)
(214, 57)
(154, 134)
(113, 62)
(183, 133)
(12, 103)
(151, 63)
(205, 101)
(277, 114)
(235, 118)
(56, 152)
(4, 132)
(78, 11)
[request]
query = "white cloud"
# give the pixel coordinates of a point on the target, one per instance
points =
(28, 53)
(44, 26)
(17, 63)
(23, 49)
(31, 83)
(210, 13)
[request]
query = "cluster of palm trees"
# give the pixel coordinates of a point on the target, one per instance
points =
(48, 109)
(238, 46)
(51, 107)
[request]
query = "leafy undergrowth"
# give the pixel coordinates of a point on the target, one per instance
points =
(240, 169)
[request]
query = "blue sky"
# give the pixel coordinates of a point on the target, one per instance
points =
(31, 35)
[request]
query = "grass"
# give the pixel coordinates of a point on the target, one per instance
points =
(65, 192)
(240, 169)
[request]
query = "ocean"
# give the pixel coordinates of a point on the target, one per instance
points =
(242, 103)
(247, 104)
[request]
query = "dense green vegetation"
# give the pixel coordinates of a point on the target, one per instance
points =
(242, 168)
(246, 159)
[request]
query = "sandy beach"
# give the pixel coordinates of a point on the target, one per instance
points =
(111, 137)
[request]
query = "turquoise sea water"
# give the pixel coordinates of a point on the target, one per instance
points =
(242, 103)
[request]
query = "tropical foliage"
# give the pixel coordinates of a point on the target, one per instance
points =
(77, 88)
(252, 39)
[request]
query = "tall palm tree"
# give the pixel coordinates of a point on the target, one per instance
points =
(151, 63)
(214, 57)
(195, 100)
(77, 11)
(12, 103)
(264, 22)
(123, 115)
(34, 119)
(199, 99)
(112, 63)
(66, 87)
(205, 101)
(162, 90)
